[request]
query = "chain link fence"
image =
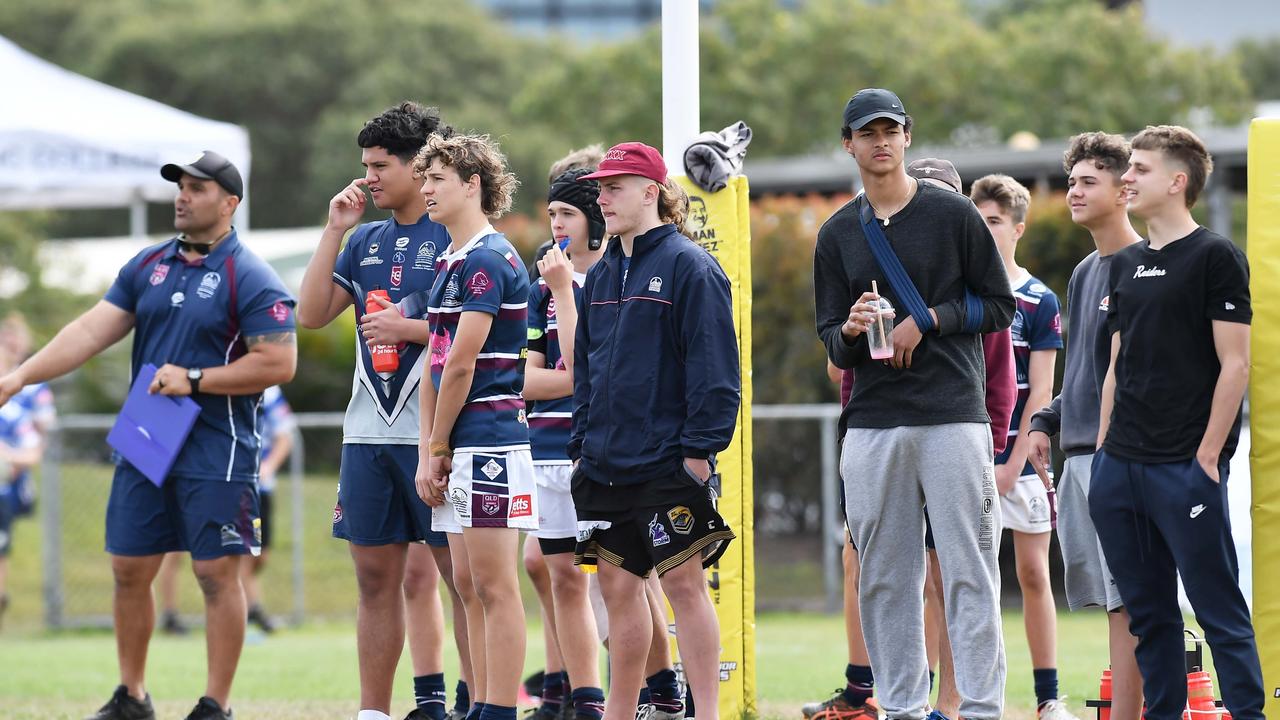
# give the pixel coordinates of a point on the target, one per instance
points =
(60, 576)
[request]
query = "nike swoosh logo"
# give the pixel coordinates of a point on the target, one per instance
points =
(1195, 511)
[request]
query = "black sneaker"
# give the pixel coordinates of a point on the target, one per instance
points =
(208, 709)
(542, 712)
(456, 713)
(259, 617)
(123, 706)
(171, 624)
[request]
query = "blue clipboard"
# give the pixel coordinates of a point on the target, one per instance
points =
(151, 429)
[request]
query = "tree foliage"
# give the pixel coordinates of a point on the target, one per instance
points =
(304, 76)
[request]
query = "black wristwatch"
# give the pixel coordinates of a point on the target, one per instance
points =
(193, 376)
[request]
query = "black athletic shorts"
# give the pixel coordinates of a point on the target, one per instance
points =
(264, 512)
(658, 524)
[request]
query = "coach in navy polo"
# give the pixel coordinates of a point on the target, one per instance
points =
(218, 323)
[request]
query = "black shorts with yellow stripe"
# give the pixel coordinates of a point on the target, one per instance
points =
(656, 525)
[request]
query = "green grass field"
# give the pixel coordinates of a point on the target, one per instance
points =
(311, 671)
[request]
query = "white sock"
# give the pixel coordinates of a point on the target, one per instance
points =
(372, 715)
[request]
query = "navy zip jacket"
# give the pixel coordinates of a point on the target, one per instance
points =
(655, 376)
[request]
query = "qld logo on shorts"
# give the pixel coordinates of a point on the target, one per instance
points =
(521, 506)
(490, 504)
(159, 273)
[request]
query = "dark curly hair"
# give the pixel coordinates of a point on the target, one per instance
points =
(403, 130)
(1106, 151)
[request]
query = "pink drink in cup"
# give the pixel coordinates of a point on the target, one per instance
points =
(880, 337)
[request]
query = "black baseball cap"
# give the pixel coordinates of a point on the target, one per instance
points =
(209, 166)
(873, 103)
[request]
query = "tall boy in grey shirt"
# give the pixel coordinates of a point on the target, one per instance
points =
(1094, 163)
(917, 424)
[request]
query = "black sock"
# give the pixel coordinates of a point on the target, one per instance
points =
(588, 702)
(553, 690)
(429, 695)
(861, 684)
(476, 709)
(461, 697)
(932, 677)
(1046, 680)
(664, 690)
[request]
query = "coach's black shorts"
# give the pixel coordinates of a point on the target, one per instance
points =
(658, 524)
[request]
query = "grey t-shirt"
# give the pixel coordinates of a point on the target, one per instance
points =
(1074, 412)
(944, 246)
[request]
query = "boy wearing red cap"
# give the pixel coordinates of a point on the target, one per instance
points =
(656, 395)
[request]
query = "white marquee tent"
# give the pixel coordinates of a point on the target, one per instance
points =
(67, 141)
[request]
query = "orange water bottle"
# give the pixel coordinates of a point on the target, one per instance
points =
(1200, 704)
(385, 357)
(1104, 694)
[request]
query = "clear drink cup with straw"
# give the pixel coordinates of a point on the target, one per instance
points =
(880, 335)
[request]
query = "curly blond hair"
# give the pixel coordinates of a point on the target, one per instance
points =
(471, 155)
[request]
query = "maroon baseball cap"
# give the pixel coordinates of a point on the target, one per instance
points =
(631, 158)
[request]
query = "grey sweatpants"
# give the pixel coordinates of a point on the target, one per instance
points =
(889, 475)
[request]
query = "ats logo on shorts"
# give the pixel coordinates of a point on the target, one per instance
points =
(521, 506)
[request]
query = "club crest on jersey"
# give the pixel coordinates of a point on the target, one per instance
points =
(521, 506)
(655, 284)
(1105, 305)
(657, 534)
(479, 283)
(426, 255)
(279, 312)
(398, 257)
(373, 247)
(159, 273)
(489, 504)
(452, 292)
(397, 274)
(175, 300)
(402, 243)
(209, 285)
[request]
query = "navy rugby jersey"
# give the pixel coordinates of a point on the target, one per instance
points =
(400, 259)
(197, 314)
(485, 275)
(549, 420)
(1037, 325)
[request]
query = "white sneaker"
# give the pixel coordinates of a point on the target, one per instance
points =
(651, 712)
(1055, 709)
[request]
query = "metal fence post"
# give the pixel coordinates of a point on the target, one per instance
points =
(296, 471)
(51, 528)
(832, 537)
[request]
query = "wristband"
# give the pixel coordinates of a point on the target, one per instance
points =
(440, 449)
